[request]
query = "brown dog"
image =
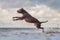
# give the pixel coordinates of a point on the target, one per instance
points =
(28, 18)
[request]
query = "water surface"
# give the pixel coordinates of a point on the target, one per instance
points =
(26, 34)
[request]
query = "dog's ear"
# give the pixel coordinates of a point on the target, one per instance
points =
(21, 8)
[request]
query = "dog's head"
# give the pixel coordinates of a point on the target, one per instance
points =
(20, 10)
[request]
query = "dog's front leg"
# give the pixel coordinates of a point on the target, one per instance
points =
(17, 18)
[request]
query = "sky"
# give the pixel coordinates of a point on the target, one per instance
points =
(40, 9)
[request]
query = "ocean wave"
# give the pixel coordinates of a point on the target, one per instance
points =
(30, 30)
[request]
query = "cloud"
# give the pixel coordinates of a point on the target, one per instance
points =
(7, 21)
(29, 3)
(43, 12)
(40, 9)
(14, 3)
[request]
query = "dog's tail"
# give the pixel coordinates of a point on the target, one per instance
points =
(44, 21)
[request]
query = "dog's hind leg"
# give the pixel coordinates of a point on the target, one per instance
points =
(38, 25)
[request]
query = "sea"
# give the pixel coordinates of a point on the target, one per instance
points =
(29, 34)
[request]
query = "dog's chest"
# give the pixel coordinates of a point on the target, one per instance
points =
(29, 19)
